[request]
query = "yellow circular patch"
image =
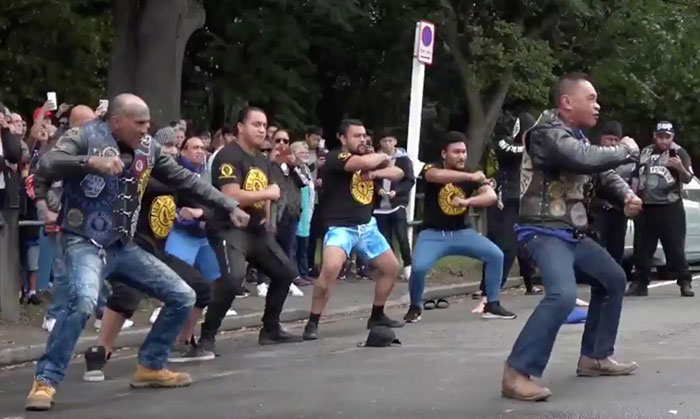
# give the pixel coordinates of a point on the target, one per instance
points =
(226, 171)
(445, 197)
(362, 190)
(162, 216)
(255, 180)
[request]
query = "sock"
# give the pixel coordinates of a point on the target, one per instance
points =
(272, 327)
(314, 318)
(32, 292)
(377, 312)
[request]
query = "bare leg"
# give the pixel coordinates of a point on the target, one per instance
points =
(187, 330)
(112, 323)
(480, 307)
(388, 266)
(31, 279)
(333, 259)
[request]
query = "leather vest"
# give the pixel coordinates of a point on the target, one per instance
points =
(552, 198)
(101, 208)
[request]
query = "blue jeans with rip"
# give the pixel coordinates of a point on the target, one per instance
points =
(561, 263)
(87, 266)
(432, 245)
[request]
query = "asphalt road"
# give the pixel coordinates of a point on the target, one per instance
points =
(449, 366)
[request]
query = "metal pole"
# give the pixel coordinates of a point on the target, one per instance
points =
(9, 266)
(414, 124)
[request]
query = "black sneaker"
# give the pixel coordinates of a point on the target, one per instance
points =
(384, 321)
(95, 361)
(34, 299)
(208, 345)
(310, 331)
(637, 289)
(276, 337)
(687, 289)
(413, 315)
(191, 353)
(495, 310)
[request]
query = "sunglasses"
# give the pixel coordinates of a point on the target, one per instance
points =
(281, 141)
(266, 150)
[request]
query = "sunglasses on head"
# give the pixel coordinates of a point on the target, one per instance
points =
(282, 141)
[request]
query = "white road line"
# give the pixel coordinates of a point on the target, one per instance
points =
(664, 283)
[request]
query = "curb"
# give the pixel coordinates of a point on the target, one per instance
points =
(134, 337)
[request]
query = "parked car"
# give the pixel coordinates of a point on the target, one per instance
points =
(691, 203)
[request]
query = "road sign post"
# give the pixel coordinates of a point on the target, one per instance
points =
(422, 56)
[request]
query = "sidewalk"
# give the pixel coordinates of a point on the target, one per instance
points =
(23, 343)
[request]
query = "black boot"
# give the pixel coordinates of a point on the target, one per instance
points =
(687, 289)
(637, 289)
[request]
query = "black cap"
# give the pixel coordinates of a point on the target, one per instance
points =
(665, 127)
(381, 337)
(612, 128)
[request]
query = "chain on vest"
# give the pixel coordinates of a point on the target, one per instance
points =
(105, 209)
(554, 198)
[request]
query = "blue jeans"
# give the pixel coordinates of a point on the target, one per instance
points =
(87, 267)
(560, 264)
(433, 245)
(302, 255)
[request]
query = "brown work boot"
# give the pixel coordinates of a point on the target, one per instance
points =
(589, 367)
(40, 396)
(520, 387)
(146, 377)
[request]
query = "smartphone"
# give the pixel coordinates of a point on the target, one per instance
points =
(322, 144)
(104, 104)
(51, 97)
(672, 153)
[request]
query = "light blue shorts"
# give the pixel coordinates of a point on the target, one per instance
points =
(196, 251)
(364, 239)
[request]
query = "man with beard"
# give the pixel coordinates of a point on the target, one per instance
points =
(445, 231)
(349, 201)
(558, 162)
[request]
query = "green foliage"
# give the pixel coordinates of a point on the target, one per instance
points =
(60, 46)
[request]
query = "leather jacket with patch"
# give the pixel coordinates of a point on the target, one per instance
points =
(105, 209)
(558, 168)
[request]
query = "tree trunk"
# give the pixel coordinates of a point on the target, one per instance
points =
(147, 60)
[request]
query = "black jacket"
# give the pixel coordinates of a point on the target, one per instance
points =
(403, 186)
(12, 154)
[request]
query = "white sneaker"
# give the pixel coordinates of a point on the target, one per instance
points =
(407, 272)
(231, 312)
(262, 290)
(154, 316)
(294, 291)
(48, 324)
(98, 324)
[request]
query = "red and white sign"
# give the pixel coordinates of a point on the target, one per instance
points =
(425, 42)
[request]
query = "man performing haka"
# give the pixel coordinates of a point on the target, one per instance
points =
(105, 166)
(448, 195)
(348, 203)
(242, 172)
(558, 162)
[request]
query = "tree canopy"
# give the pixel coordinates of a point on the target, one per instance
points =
(316, 61)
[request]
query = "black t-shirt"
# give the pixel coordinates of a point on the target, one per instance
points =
(156, 217)
(439, 212)
(251, 172)
(347, 199)
(659, 183)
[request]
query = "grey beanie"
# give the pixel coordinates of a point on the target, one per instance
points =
(166, 136)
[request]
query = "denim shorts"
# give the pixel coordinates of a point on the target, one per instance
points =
(365, 239)
(196, 251)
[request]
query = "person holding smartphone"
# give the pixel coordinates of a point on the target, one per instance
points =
(663, 167)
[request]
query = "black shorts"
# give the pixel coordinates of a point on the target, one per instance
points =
(125, 300)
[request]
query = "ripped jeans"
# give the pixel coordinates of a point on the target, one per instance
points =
(87, 266)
